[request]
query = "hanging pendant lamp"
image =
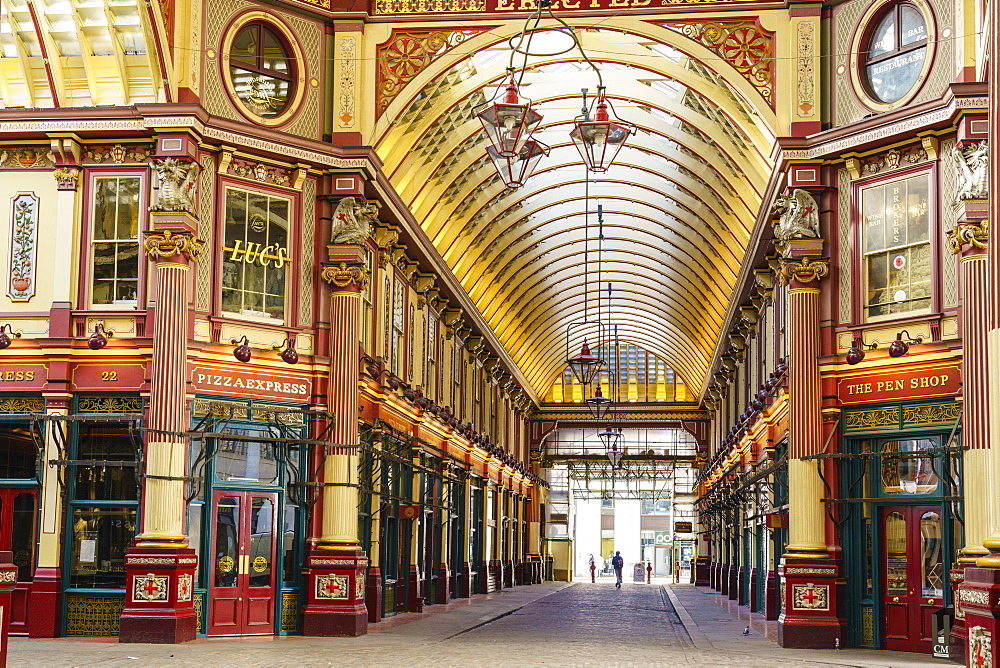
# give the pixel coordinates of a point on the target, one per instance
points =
(585, 365)
(515, 170)
(509, 122)
(598, 404)
(599, 140)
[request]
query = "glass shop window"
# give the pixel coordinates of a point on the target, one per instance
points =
(100, 537)
(904, 471)
(256, 255)
(110, 474)
(931, 561)
(115, 240)
(896, 52)
(22, 535)
(17, 451)
(246, 460)
(897, 248)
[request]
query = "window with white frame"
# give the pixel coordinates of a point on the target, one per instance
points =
(255, 255)
(115, 253)
(396, 343)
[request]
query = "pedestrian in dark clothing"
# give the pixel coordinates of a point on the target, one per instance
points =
(618, 563)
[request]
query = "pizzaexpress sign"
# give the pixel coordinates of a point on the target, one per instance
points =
(209, 380)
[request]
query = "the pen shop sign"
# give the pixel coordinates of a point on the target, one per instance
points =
(923, 383)
(238, 383)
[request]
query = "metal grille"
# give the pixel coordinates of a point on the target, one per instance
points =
(290, 612)
(94, 615)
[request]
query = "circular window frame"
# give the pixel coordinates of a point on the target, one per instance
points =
(298, 78)
(859, 49)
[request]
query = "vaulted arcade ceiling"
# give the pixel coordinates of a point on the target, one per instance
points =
(678, 204)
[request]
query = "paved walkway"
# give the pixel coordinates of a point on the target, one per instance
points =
(553, 624)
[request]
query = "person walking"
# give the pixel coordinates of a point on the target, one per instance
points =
(618, 564)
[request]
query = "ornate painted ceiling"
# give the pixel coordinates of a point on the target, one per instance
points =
(678, 204)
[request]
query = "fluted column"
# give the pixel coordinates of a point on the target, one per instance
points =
(336, 567)
(160, 567)
(806, 518)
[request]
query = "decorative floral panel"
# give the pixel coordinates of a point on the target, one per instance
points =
(23, 247)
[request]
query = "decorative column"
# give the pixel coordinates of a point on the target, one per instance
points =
(979, 595)
(809, 618)
(335, 568)
(968, 240)
(160, 568)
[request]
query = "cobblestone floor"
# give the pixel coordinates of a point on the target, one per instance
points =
(554, 624)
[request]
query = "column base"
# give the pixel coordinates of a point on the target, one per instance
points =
(373, 595)
(444, 584)
(159, 596)
(8, 581)
(979, 597)
(45, 603)
(335, 581)
(464, 586)
(810, 589)
(733, 588)
(957, 638)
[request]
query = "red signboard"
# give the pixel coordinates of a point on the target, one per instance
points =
(254, 384)
(15, 376)
(109, 377)
(925, 382)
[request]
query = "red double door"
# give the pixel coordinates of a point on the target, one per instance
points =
(241, 597)
(913, 575)
(18, 521)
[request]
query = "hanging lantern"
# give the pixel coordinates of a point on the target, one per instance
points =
(599, 140)
(610, 438)
(515, 170)
(585, 365)
(598, 404)
(509, 122)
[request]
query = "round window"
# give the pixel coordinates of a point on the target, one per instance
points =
(896, 52)
(261, 70)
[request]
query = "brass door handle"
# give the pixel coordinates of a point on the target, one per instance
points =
(930, 601)
(895, 599)
(244, 564)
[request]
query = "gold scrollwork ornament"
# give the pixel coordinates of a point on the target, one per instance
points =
(343, 275)
(804, 271)
(169, 244)
(973, 234)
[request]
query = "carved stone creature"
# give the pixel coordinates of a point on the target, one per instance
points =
(973, 177)
(178, 184)
(798, 216)
(352, 220)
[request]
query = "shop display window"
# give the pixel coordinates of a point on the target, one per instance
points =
(99, 539)
(114, 479)
(903, 473)
(261, 70)
(896, 246)
(115, 253)
(17, 451)
(246, 461)
(256, 255)
(896, 52)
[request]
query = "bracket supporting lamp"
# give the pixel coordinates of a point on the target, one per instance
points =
(899, 347)
(857, 351)
(100, 337)
(509, 122)
(5, 338)
(242, 350)
(288, 355)
(598, 404)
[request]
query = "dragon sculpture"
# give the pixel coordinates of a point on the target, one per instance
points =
(798, 216)
(973, 176)
(178, 184)
(352, 220)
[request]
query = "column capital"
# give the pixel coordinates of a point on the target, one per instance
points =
(968, 238)
(345, 277)
(168, 245)
(801, 272)
(67, 178)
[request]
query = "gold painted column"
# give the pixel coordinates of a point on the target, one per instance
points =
(808, 574)
(336, 567)
(159, 586)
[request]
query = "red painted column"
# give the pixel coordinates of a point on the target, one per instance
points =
(809, 576)
(160, 568)
(335, 569)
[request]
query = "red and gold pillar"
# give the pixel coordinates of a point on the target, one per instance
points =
(335, 570)
(809, 576)
(160, 567)
(979, 594)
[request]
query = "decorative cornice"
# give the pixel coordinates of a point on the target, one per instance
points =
(973, 235)
(169, 244)
(803, 271)
(345, 275)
